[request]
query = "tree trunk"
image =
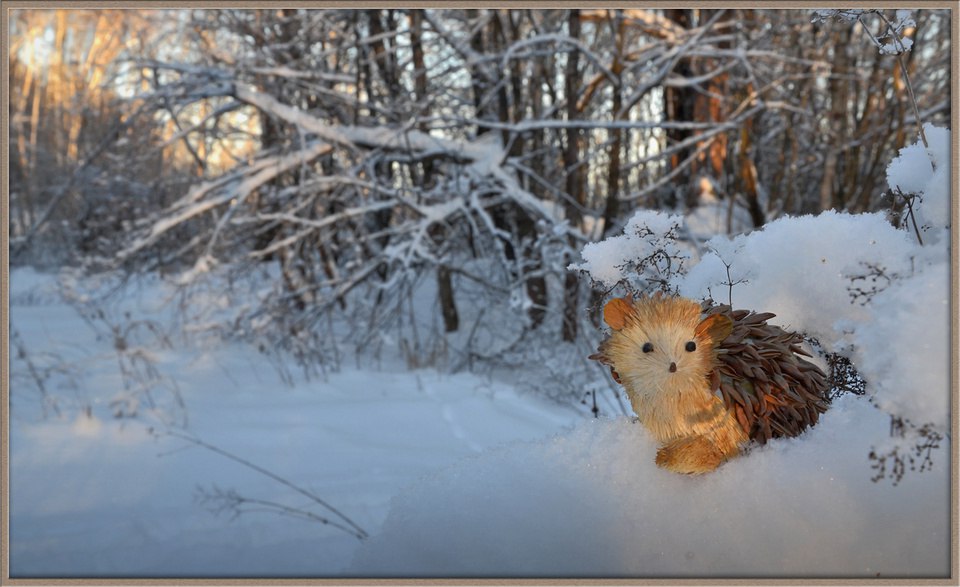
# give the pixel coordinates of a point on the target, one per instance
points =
(679, 105)
(612, 205)
(831, 192)
(575, 177)
(448, 303)
(479, 78)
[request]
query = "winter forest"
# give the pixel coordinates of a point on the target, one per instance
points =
(313, 292)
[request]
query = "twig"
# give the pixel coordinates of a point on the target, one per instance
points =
(913, 219)
(38, 378)
(729, 282)
(354, 529)
(906, 75)
(234, 502)
(913, 101)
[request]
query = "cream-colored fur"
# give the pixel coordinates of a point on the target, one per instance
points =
(696, 431)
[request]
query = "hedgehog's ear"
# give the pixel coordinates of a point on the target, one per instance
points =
(716, 327)
(615, 313)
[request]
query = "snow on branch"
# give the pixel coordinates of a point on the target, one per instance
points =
(242, 184)
(893, 39)
(482, 158)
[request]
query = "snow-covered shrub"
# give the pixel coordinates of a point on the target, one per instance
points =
(799, 267)
(645, 258)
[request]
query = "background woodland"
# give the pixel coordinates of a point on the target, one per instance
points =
(356, 157)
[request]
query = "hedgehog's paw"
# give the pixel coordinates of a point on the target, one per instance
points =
(693, 455)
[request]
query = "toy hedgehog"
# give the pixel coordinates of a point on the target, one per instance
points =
(706, 380)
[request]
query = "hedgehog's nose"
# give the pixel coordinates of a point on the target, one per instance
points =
(673, 367)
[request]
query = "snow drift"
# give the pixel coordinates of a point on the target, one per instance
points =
(592, 503)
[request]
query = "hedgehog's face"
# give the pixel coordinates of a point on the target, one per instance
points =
(664, 356)
(660, 345)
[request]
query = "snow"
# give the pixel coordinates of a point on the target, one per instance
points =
(911, 170)
(800, 267)
(608, 261)
(592, 503)
(897, 47)
(905, 349)
(926, 170)
(862, 288)
(96, 496)
(894, 30)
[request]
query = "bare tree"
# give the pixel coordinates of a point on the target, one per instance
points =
(368, 158)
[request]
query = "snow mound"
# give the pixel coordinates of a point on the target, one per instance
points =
(592, 503)
(926, 171)
(800, 268)
(614, 259)
(905, 351)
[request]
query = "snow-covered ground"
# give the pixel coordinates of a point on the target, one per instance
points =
(451, 475)
(592, 503)
(97, 496)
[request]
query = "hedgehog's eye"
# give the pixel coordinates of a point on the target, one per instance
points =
(691, 346)
(648, 347)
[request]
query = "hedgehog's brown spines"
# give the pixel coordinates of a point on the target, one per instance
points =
(771, 389)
